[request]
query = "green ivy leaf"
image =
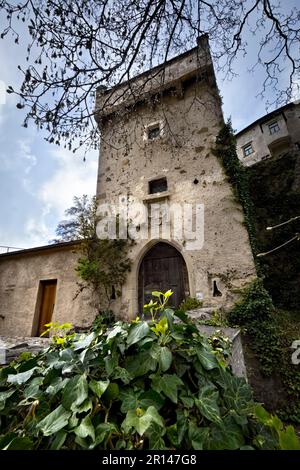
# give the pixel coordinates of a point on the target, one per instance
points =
(165, 358)
(59, 440)
(75, 393)
(207, 404)
(168, 384)
(137, 332)
(226, 436)
(197, 436)
(155, 435)
(99, 387)
(129, 399)
(4, 396)
(141, 423)
(85, 429)
(140, 364)
(21, 378)
(20, 443)
(288, 439)
(84, 342)
(55, 421)
(206, 358)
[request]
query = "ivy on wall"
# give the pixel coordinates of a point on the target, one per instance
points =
(225, 150)
(103, 266)
(267, 329)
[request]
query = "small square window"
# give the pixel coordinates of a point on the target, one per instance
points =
(158, 186)
(248, 149)
(274, 128)
(153, 132)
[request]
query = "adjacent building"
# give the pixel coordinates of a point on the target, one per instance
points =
(270, 136)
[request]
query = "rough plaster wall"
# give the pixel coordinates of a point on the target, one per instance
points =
(19, 285)
(183, 154)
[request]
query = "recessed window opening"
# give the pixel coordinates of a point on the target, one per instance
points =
(158, 186)
(274, 127)
(153, 132)
(248, 149)
(216, 291)
(113, 293)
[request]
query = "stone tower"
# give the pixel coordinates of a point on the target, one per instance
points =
(157, 135)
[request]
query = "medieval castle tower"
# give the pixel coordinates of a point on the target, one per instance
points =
(158, 131)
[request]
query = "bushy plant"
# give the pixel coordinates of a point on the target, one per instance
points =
(190, 303)
(256, 314)
(138, 385)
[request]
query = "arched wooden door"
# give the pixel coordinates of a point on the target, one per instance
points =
(163, 268)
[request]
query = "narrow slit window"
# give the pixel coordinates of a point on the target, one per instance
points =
(216, 291)
(158, 186)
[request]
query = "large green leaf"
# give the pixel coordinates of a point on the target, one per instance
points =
(206, 358)
(168, 384)
(56, 385)
(4, 396)
(20, 443)
(237, 393)
(55, 421)
(207, 404)
(155, 435)
(137, 332)
(21, 378)
(85, 429)
(32, 390)
(75, 393)
(141, 422)
(98, 386)
(288, 439)
(129, 399)
(151, 398)
(140, 364)
(197, 436)
(226, 436)
(103, 431)
(165, 358)
(58, 440)
(84, 342)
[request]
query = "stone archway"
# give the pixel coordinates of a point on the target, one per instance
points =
(163, 268)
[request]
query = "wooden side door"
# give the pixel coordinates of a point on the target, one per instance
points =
(47, 304)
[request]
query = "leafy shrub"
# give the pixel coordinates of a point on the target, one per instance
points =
(255, 313)
(138, 385)
(190, 303)
(104, 318)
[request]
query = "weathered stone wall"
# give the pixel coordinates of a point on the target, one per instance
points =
(191, 120)
(20, 276)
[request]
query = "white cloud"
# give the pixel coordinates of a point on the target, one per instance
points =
(72, 178)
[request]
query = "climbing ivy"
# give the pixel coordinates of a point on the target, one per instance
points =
(225, 150)
(270, 334)
(103, 266)
(255, 313)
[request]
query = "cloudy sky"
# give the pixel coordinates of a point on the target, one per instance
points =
(38, 180)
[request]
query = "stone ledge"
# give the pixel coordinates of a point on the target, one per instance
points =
(12, 346)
